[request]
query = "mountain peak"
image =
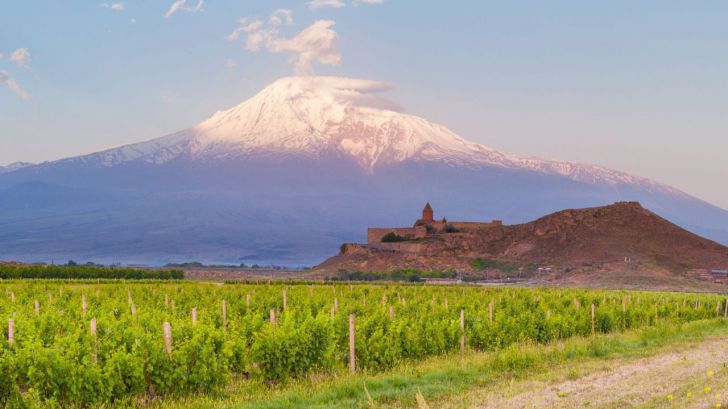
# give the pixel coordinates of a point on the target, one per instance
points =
(315, 114)
(318, 116)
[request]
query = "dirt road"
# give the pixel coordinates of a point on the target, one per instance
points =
(677, 379)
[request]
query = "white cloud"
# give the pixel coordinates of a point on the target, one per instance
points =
(258, 37)
(281, 16)
(119, 6)
(175, 6)
(368, 1)
(257, 33)
(319, 4)
(182, 5)
(132, 20)
(21, 57)
(231, 64)
(1, 56)
(10, 82)
(314, 44)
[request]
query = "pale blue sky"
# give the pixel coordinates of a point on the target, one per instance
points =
(640, 86)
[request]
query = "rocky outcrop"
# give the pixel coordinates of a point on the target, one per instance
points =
(623, 236)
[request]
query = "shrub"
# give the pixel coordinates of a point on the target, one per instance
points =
(87, 272)
(392, 237)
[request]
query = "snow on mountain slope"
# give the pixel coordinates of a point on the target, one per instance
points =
(14, 166)
(318, 115)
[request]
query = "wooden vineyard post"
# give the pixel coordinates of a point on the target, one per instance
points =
(725, 310)
(168, 339)
(391, 313)
(336, 305)
(548, 314)
(364, 299)
(50, 298)
(224, 313)
(92, 331)
(11, 331)
(132, 308)
(128, 297)
(462, 331)
(352, 344)
(83, 304)
(166, 300)
(285, 300)
(37, 308)
(333, 312)
(447, 307)
(384, 300)
(273, 317)
(194, 315)
(717, 309)
(491, 306)
(247, 300)
(593, 315)
(171, 304)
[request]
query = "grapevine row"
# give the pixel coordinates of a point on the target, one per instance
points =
(81, 344)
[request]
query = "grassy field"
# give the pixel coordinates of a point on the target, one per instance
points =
(482, 379)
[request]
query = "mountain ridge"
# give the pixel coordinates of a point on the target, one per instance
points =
(330, 115)
(288, 174)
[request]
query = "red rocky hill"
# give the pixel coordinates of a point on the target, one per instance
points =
(622, 244)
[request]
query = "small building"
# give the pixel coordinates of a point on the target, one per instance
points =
(429, 222)
(424, 226)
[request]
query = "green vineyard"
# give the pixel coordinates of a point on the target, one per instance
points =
(78, 344)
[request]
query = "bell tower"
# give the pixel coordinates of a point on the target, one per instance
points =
(428, 215)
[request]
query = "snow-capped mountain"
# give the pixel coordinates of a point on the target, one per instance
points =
(14, 166)
(316, 116)
(304, 164)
